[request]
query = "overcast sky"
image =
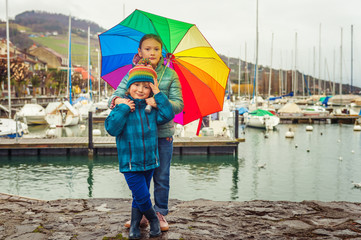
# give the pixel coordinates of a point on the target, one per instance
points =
(230, 26)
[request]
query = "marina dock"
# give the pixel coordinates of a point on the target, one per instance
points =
(107, 146)
(320, 119)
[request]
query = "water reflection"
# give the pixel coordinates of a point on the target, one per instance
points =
(80, 130)
(90, 178)
(235, 179)
(304, 168)
(39, 176)
(214, 175)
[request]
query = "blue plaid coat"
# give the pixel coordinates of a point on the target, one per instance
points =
(136, 132)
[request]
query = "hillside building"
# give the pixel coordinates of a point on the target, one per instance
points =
(52, 58)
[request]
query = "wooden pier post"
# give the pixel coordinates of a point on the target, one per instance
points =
(90, 133)
(236, 124)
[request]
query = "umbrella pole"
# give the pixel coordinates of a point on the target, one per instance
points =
(199, 126)
(167, 65)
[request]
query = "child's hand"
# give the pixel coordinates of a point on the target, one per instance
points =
(155, 90)
(154, 86)
(151, 102)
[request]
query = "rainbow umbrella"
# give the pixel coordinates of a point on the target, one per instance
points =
(202, 73)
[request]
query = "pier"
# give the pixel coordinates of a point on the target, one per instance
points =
(320, 119)
(107, 146)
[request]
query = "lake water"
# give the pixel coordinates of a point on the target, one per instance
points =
(317, 165)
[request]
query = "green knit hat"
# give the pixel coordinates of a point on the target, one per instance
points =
(142, 72)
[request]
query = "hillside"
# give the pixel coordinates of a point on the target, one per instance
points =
(51, 30)
(40, 21)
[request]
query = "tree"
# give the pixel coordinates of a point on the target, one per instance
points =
(35, 82)
(56, 81)
(3, 73)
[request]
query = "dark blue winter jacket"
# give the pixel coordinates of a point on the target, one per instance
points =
(136, 132)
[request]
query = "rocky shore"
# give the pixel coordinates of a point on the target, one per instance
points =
(87, 219)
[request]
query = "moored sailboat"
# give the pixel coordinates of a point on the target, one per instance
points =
(261, 119)
(61, 114)
(33, 113)
(11, 128)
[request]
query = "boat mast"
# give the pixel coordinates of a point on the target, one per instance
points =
(286, 77)
(319, 62)
(255, 89)
(229, 80)
(89, 80)
(98, 51)
(292, 86)
(333, 72)
(239, 74)
(340, 91)
(314, 70)
(270, 72)
(351, 59)
(280, 74)
(68, 89)
(8, 56)
(246, 69)
(295, 83)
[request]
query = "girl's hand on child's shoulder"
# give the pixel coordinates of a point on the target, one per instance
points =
(128, 102)
(120, 100)
(131, 104)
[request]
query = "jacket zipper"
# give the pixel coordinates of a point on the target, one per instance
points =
(130, 156)
(141, 122)
(146, 116)
(155, 155)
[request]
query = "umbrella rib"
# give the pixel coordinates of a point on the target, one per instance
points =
(156, 29)
(185, 34)
(195, 57)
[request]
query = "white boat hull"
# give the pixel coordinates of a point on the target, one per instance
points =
(264, 122)
(57, 120)
(8, 128)
(33, 114)
(34, 120)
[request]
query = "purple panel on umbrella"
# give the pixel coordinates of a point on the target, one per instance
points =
(170, 64)
(179, 118)
(115, 77)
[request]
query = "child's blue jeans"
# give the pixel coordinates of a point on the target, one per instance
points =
(139, 183)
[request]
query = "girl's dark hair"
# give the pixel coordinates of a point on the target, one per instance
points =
(150, 36)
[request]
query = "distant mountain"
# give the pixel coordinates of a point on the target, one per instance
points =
(40, 21)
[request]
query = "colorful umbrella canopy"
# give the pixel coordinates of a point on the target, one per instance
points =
(202, 73)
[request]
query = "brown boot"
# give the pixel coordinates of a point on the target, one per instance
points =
(162, 222)
(143, 223)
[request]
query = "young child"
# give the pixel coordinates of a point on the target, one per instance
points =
(150, 46)
(136, 135)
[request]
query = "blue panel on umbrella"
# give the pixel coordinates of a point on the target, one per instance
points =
(119, 39)
(111, 63)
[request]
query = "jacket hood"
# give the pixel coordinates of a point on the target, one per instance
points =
(136, 101)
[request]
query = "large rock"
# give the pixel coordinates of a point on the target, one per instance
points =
(22, 218)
